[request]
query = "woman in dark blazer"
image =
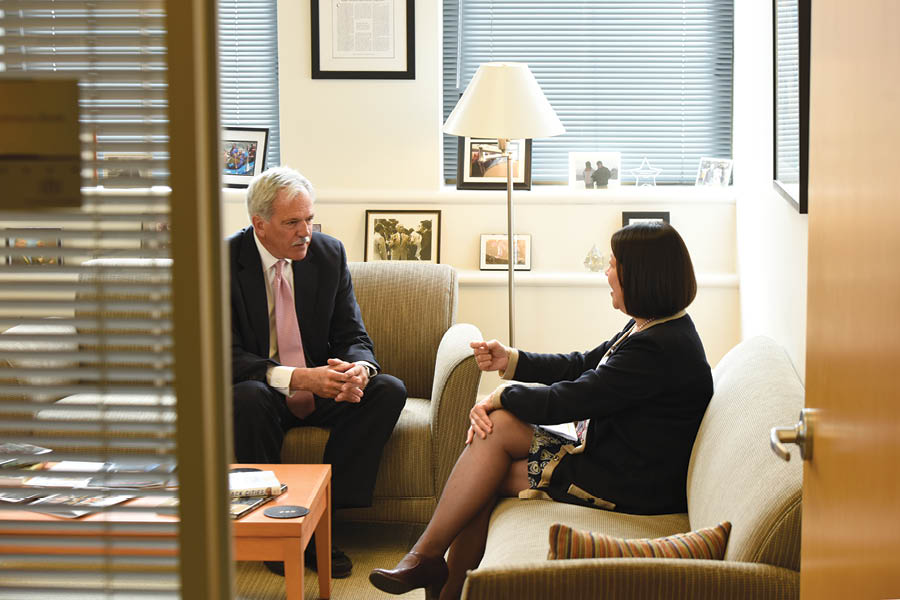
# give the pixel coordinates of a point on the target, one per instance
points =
(637, 398)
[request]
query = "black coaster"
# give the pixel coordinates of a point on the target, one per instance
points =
(285, 511)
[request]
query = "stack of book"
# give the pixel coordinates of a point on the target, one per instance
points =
(251, 489)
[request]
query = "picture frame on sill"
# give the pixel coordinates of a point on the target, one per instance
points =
(631, 217)
(39, 242)
(403, 235)
(243, 154)
(124, 169)
(595, 170)
(714, 172)
(481, 166)
(363, 40)
(495, 252)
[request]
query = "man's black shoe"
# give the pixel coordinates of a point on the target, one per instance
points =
(341, 565)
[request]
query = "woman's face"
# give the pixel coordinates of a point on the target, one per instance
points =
(612, 276)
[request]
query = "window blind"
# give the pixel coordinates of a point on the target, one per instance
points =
(248, 68)
(85, 313)
(787, 91)
(645, 78)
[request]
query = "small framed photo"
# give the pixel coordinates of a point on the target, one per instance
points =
(243, 154)
(495, 252)
(156, 236)
(480, 165)
(629, 218)
(34, 247)
(403, 235)
(714, 171)
(595, 170)
(125, 169)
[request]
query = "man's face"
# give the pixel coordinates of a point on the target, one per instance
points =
(288, 233)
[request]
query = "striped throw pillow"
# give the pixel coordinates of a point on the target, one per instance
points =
(708, 543)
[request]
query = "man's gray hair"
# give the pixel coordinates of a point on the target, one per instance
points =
(264, 189)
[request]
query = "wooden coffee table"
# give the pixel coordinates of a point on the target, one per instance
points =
(256, 536)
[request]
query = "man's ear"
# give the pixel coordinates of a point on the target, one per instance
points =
(259, 226)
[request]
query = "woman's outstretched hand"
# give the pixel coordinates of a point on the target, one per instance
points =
(491, 356)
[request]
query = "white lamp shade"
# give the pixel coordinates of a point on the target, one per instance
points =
(503, 100)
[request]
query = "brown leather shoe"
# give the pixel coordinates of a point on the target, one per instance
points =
(413, 571)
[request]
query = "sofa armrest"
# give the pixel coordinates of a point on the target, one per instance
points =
(633, 579)
(455, 388)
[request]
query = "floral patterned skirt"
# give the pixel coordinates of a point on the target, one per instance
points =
(544, 446)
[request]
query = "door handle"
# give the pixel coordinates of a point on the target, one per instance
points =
(800, 434)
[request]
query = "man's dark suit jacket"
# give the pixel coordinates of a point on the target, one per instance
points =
(330, 322)
(645, 405)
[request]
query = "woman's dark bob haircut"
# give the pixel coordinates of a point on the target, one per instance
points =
(655, 270)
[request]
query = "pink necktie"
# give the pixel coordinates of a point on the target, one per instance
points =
(290, 346)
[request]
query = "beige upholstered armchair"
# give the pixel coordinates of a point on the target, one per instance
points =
(409, 310)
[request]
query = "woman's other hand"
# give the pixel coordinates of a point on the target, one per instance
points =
(491, 356)
(479, 422)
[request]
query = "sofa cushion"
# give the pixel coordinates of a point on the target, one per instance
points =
(708, 543)
(518, 528)
(733, 474)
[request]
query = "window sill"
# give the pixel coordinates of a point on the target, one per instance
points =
(472, 278)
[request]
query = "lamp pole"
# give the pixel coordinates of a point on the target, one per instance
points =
(512, 251)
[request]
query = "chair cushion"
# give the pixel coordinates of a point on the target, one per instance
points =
(708, 543)
(406, 468)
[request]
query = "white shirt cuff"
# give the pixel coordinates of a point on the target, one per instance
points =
(280, 378)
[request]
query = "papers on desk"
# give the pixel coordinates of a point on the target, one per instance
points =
(68, 481)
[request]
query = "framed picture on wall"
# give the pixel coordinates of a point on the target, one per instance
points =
(403, 235)
(495, 252)
(363, 40)
(480, 165)
(243, 154)
(33, 246)
(630, 217)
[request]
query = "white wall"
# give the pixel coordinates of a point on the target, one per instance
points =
(771, 234)
(389, 132)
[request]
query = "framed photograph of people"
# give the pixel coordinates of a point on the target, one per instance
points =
(33, 246)
(595, 170)
(243, 154)
(403, 235)
(495, 252)
(363, 40)
(480, 164)
(631, 217)
(714, 171)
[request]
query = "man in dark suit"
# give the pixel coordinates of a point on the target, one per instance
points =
(300, 352)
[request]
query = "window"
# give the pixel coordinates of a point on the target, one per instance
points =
(248, 68)
(647, 79)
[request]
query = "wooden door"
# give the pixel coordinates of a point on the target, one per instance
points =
(851, 487)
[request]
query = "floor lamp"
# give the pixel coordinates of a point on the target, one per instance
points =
(504, 101)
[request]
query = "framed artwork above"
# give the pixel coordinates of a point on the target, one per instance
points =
(375, 39)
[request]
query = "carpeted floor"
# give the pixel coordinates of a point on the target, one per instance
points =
(369, 545)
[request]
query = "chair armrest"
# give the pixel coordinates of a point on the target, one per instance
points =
(633, 579)
(455, 388)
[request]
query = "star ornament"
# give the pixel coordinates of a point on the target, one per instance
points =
(645, 175)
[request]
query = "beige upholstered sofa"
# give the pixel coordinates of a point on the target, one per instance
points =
(733, 477)
(409, 310)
